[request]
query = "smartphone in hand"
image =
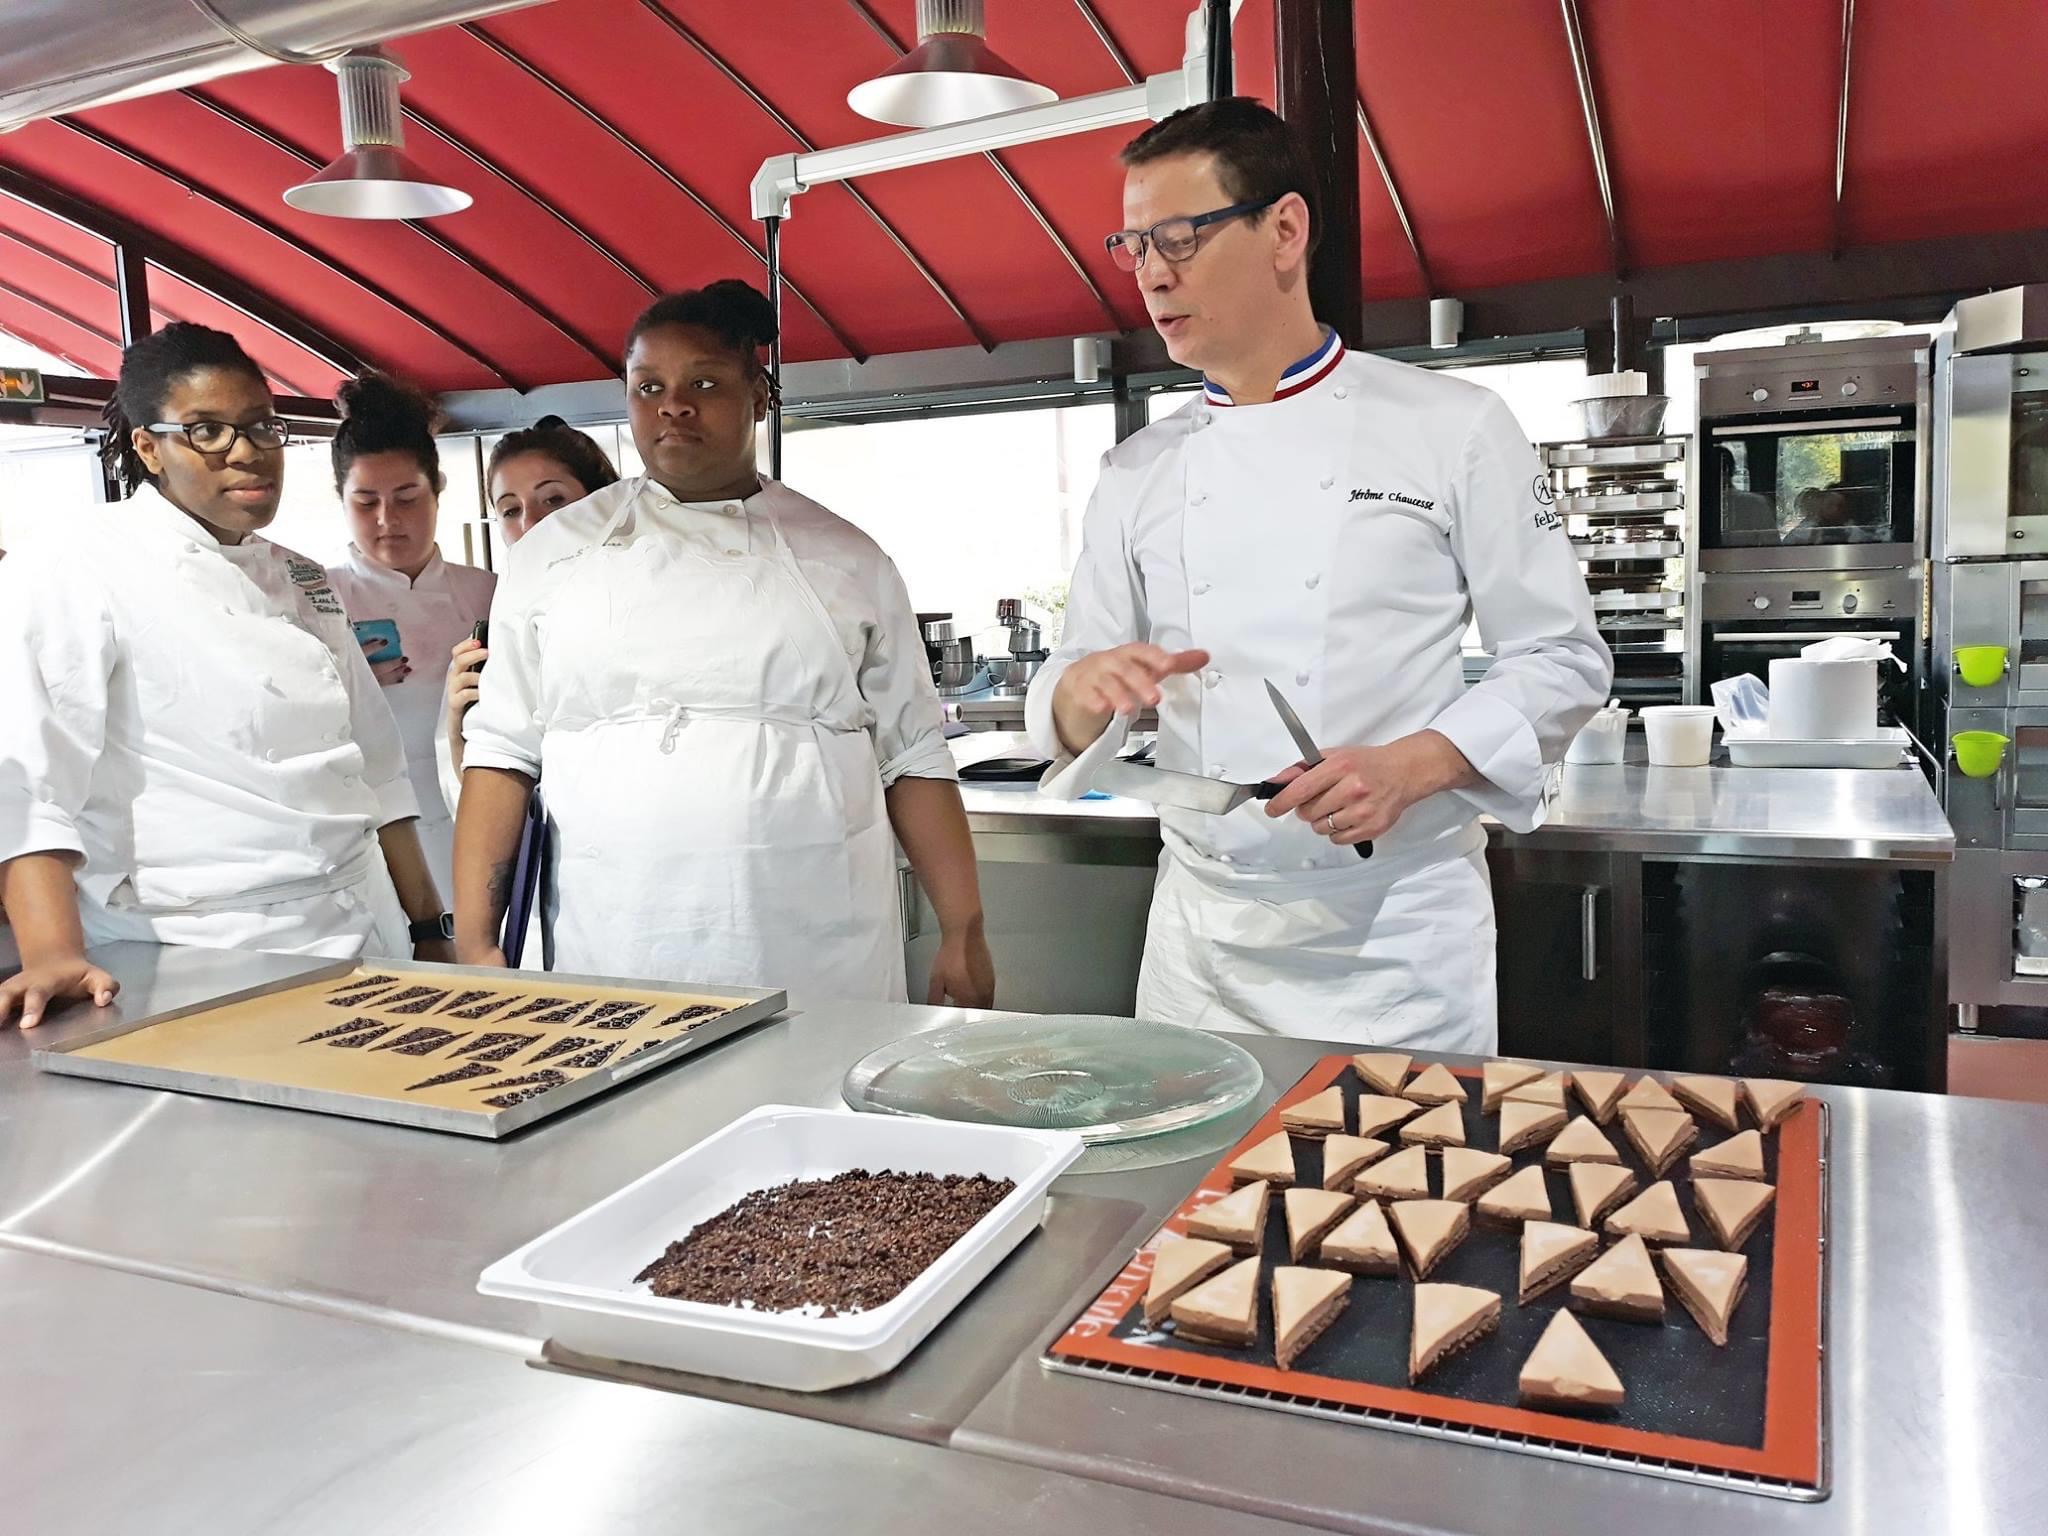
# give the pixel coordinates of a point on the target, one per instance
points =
(379, 640)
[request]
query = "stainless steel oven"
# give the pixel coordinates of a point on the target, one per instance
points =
(1813, 456)
(1744, 624)
(1994, 496)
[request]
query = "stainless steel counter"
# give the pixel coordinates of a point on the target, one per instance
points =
(1717, 811)
(1939, 1353)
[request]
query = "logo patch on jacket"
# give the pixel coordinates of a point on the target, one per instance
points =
(1373, 493)
(311, 579)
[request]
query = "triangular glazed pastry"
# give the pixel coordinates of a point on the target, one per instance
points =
(1305, 1302)
(1497, 1077)
(1315, 1117)
(1344, 1156)
(1378, 1114)
(1238, 1219)
(1739, 1157)
(1272, 1160)
(1311, 1213)
(1599, 1092)
(1660, 1136)
(1223, 1310)
(1467, 1172)
(1404, 1176)
(1710, 1285)
(1527, 1125)
(1653, 1216)
(1363, 1243)
(1770, 1100)
(1429, 1229)
(1446, 1319)
(1715, 1097)
(1181, 1264)
(1581, 1142)
(1382, 1071)
(1443, 1126)
(1567, 1370)
(1523, 1197)
(1598, 1188)
(1731, 1208)
(1435, 1085)
(1648, 1093)
(1552, 1254)
(1544, 1090)
(1622, 1283)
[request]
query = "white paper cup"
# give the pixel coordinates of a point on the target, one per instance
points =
(1680, 735)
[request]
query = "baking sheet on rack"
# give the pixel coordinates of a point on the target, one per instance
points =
(1750, 1408)
(417, 1038)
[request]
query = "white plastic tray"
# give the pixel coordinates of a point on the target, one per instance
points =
(581, 1273)
(1880, 751)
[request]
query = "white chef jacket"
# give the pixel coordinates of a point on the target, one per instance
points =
(433, 610)
(714, 696)
(196, 720)
(1336, 541)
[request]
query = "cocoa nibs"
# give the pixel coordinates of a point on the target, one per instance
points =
(843, 1244)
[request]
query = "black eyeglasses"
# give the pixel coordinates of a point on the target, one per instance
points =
(1176, 239)
(268, 434)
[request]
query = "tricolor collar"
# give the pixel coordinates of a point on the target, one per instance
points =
(1295, 378)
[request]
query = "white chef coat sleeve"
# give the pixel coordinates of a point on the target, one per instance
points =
(503, 728)
(376, 733)
(57, 655)
(1551, 670)
(896, 680)
(444, 772)
(1105, 608)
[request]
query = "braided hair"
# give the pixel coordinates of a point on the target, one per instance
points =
(380, 414)
(571, 449)
(150, 370)
(737, 313)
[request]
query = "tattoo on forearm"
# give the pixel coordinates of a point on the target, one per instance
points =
(501, 889)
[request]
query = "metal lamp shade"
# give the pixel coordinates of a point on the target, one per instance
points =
(376, 181)
(948, 78)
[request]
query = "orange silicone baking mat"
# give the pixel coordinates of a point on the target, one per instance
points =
(1749, 1413)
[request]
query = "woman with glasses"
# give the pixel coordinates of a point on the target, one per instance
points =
(192, 748)
(409, 606)
(722, 686)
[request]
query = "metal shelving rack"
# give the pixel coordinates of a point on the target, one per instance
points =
(1623, 502)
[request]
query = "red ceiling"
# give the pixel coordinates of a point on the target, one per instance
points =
(1719, 118)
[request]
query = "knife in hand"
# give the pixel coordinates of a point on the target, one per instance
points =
(1304, 744)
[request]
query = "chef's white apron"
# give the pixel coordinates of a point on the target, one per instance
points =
(354, 914)
(713, 822)
(1398, 956)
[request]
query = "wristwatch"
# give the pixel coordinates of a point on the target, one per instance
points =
(434, 930)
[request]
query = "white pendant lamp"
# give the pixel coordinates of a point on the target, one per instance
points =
(950, 76)
(374, 178)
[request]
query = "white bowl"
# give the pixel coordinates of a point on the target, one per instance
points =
(581, 1273)
(1680, 735)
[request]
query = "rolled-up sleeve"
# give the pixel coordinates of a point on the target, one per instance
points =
(1551, 670)
(376, 733)
(1105, 608)
(57, 656)
(896, 680)
(503, 729)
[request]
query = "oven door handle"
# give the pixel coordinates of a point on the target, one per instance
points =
(1811, 428)
(1780, 636)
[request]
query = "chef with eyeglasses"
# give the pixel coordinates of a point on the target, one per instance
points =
(1329, 522)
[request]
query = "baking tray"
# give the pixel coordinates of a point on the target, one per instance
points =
(1750, 1417)
(1619, 451)
(382, 1087)
(1884, 750)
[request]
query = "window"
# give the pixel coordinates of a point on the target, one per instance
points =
(1540, 393)
(45, 472)
(972, 508)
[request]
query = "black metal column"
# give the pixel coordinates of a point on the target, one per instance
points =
(774, 243)
(1222, 71)
(1317, 85)
(131, 281)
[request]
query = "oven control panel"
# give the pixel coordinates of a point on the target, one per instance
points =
(1808, 595)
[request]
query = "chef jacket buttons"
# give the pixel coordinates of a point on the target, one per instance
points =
(1328, 481)
(1201, 588)
(270, 756)
(1211, 678)
(1200, 497)
(1313, 582)
(1342, 392)
(1215, 770)
(1308, 863)
(1301, 679)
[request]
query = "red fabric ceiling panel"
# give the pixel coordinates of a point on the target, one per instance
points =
(292, 370)
(1476, 109)
(90, 352)
(1947, 120)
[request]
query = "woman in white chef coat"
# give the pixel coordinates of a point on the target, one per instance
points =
(387, 469)
(724, 688)
(192, 748)
(1330, 522)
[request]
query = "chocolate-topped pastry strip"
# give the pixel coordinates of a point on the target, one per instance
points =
(596, 1056)
(361, 1038)
(358, 983)
(538, 1005)
(465, 999)
(540, 1082)
(616, 1015)
(689, 1015)
(422, 1041)
(359, 1022)
(355, 999)
(563, 1015)
(562, 1047)
(519, 1096)
(417, 1005)
(497, 1045)
(407, 994)
(483, 1008)
(462, 1074)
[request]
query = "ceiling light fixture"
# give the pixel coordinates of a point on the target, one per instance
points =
(374, 178)
(950, 76)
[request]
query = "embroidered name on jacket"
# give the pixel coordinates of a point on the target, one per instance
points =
(1372, 493)
(311, 579)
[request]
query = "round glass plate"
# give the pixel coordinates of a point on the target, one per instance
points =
(1109, 1079)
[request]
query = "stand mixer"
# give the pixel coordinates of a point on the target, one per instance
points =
(1012, 675)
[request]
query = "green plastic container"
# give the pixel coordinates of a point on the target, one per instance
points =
(1978, 753)
(1980, 665)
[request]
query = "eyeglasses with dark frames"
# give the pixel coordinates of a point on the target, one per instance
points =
(269, 433)
(1177, 238)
